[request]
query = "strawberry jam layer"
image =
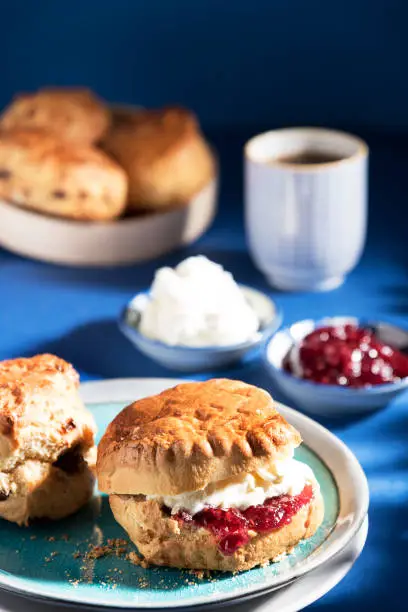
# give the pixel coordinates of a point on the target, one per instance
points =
(349, 356)
(231, 527)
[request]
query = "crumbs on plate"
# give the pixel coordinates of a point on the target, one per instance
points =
(200, 574)
(114, 546)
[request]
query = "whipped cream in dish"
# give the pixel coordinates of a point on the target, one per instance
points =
(196, 304)
(286, 477)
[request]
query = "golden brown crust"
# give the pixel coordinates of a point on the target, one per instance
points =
(41, 413)
(163, 540)
(191, 435)
(72, 114)
(164, 155)
(40, 172)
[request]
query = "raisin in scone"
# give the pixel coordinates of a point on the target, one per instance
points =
(203, 476)
(72, 114)
(43, 173)
(47, 451)
(164, 154)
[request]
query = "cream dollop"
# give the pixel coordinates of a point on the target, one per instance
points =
(196, 304)
(283, 477)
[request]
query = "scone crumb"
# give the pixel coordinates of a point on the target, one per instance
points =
(96, 552)
(76, 554)
(143, 583)
(117, 542)
(137, 560)
(200, 574)
(115, 546)
(54, 553)
(33, 537)
(50, 538)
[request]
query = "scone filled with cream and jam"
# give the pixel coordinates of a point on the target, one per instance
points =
(47, 451)
(202, 476)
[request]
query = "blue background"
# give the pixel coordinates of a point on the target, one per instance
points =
(242, 66)
(236, 62)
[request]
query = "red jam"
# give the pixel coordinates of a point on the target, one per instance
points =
(349, 356)
(230, 527)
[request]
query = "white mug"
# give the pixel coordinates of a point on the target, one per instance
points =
(306, 206)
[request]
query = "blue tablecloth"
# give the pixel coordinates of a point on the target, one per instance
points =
(72, 312)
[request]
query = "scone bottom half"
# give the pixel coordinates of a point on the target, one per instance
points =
(47, 449)
(202, 476)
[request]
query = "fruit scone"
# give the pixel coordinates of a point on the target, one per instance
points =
(73, 114)
(164, 153)
(203, 476)
(47, 451)
(44, 173)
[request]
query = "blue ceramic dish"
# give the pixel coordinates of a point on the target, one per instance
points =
(191, 359)
(50, 560)
(331, 400)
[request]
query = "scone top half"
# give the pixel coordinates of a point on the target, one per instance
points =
(41, 413)
(191, 436)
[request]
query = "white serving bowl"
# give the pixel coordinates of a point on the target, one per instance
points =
(191, 359)
(120, 242)
(331, 400)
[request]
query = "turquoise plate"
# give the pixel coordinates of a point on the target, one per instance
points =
(48, 560)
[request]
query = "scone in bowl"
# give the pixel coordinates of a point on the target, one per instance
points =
(61, 203)
(192, 359)
(332, 400)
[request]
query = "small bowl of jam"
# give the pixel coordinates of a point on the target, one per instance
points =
(339, 365)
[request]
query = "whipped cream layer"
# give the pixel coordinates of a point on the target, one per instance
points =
(287, 477)
(196, 304)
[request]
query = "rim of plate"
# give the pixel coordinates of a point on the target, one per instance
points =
(352, 511)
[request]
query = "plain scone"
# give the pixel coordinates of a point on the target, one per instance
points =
(183, 440)
(73, 114)
(47, 451)
(164, 154)
(43, 173)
